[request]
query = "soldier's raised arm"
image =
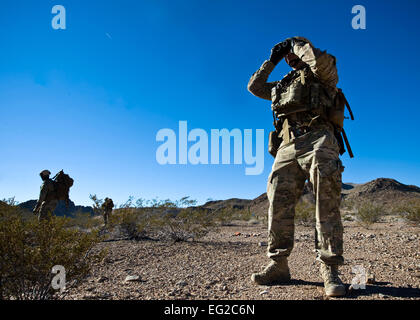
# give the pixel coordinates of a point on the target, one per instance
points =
(258, 84)
(322, 64)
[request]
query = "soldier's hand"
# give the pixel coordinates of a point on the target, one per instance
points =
(280, 50)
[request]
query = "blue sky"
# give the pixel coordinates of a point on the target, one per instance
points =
(90, 99)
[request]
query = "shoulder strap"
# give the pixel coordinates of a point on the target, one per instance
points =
(347, 143)
(340, 92)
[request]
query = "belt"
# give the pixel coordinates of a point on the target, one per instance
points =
(298, 131)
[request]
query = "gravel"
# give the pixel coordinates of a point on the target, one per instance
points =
(219, 266)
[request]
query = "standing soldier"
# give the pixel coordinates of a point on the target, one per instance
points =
(107, 209)
(306, 145)
(47, 201)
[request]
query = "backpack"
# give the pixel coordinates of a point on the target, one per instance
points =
(62, 185)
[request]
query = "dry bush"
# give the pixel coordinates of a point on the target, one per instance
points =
(368, 213)
(305, 213)
(409, 210)
(131, 220)
(180, 221)
(84, 221)
(29, 249)
(347, 205)
(225, 216)
(132, 223)
(97, 204)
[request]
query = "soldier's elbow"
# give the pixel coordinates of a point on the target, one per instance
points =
(253, 88)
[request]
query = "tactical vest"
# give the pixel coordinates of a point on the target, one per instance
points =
(301, 92)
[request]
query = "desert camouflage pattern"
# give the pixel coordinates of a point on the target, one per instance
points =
(322, 64)
(46, 203)
(311, 154)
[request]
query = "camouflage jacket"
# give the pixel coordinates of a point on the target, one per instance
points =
(47, 192)
(322, 65)
(107, 205)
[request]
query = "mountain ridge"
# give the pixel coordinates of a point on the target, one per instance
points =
(383, 190)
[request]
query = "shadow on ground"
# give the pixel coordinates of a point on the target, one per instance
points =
(386, 291)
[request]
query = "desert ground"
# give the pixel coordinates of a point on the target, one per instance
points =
(219, 265)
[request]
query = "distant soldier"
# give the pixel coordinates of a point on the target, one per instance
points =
(107, 209)
(47, 201)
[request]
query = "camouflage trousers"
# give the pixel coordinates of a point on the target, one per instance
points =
(106, 217)
(47, 207)
(313, 156)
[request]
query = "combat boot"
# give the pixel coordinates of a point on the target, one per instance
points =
(333, 285)
(276, 272)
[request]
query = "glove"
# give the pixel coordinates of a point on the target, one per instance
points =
(280, 50)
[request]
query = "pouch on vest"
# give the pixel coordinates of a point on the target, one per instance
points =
(274, 143)
(303, 93)
(336, 117)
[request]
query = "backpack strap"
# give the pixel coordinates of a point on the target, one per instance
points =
(347, 143)
(347, 104)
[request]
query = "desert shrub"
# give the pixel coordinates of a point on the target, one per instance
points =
(225, 216)
(368, 213)
(262, 217)
(131, 220)
(97, 204)
(243, 214)
(347, 204)
(180, 221)
(29, 249)
(84, 221)
(305, 213)
(409, 210)
(133, 223)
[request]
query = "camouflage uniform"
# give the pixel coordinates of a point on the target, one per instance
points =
(107, 209)
(304, 154)
(47, 201)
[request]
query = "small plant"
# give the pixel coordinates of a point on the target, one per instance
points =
(369, 213)
(410, 210)
(224, 216)
(84, 221)
(29, 249)
(180, 221)
(131, 222)
(347, 205)
(305, 213)
(97, 204)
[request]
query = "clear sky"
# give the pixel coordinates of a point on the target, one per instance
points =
(90, 99)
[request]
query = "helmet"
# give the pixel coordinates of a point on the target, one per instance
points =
(45, 173)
